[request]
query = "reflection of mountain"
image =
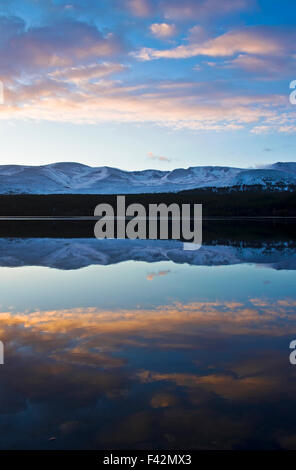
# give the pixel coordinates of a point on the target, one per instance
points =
(78, 253)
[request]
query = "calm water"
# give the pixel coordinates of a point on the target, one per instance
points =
(133, 344)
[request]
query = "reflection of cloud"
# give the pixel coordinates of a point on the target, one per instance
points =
(288, 441)
(262, 377)
(167, 325)
(163, 400)
(152, 276)
(74, 361)
(227, 386)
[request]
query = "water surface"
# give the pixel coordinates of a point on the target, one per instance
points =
(139, 344)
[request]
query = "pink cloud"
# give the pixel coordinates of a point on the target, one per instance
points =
(63, 44)
(188, 9)
(263, 67)
(87, 72)
(163, 30)
(254, 40)
(192, 106)
(69, 75)
(141, 8)
(160, 158)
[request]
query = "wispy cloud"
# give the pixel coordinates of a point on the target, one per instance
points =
(171, 104)
(188, 9)
(161, 158)
(87, 72)
(264, 41)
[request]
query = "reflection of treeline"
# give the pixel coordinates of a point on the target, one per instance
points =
(279, 233)
(221, 202)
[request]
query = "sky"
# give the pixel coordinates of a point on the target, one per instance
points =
(140, 84)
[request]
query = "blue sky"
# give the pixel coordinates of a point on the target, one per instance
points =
(147, 83)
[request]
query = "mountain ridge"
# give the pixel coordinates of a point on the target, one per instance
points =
(78, 178)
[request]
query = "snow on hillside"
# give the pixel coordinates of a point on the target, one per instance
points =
(75, 178)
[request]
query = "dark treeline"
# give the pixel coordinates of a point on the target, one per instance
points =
(215, 203)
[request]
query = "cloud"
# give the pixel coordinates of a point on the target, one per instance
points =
(163, 30)
(267, 67)
(171, 104)
(253, 40)
(141, 8)
(65, 43)
(197, 34)
(70, 71)
(160, 158)
(177, 105)
(87, 72)
(188, 9)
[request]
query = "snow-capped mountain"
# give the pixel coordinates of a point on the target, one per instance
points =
(75, 178)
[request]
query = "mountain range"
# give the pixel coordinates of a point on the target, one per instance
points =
(76, 178)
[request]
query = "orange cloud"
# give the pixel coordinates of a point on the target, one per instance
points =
(227, 386)
(152, 276)
(165, 324)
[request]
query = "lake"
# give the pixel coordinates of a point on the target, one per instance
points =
(122, 344)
